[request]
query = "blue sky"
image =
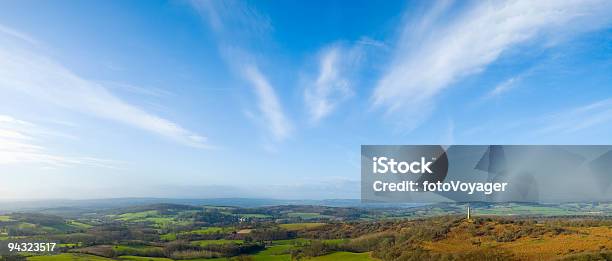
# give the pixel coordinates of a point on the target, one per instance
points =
(274, 98)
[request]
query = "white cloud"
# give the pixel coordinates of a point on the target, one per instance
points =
(16, 34)
(235, 24)
(432, 54)
(28, 72)
(20, 142)
(372, 42)
(558, 126)
(580, 118)
(502, 87)
(11, 120)
(332, 85)
(268, 103)
(148, 91)
(233, 19)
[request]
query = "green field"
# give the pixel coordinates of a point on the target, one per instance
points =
(304, 215)
(345, 256)
(55, 228)
(78, 224)
(215, 242)
(135, 236)
(281, 250)
(140, 258)
(296, 241)
(137, 250)
(68, 257)
(134, 247)
(274, 253)
(136, 216)
(150, 216)
(253, 215)
(168, 237)
(210, 230)
(84, 257)
(24, 225)
(300, 226)
(335, 241)
(202, 231)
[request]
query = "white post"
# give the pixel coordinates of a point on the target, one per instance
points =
(468, 212)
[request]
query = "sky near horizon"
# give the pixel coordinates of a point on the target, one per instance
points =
(272, 99)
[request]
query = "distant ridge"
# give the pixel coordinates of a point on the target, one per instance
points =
(23, 205)
(85, 205)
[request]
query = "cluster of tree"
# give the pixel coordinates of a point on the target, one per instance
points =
(345, 213)
(16, 230)
(137, 251)
(198, 236)
(436, 227)
(346, 229)
(395, 240)
(162, 209)
(177, 227)
(32, 224)
(13, 257)
(39, 219)
(101, 250)
(262, 211)
(185, 250)
(178, 249)
(109, 233)
(315, 248)
(269, 234)
(209, 217)
(235, 249)
(326, 212)
(113, 252)
(403, 240)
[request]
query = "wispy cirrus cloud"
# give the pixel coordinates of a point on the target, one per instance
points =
(440, 48)
(21, 142)
(233, 19)
(503, 87)
(236, 23)
(333, 82)
(16, 34)
(579, 118)
(149, 91)
(556, 126)
(25, 70)
(268, 103)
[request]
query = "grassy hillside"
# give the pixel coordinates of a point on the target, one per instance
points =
(68, 257)
(163, 232)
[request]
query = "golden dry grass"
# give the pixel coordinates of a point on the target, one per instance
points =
(546, 247)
